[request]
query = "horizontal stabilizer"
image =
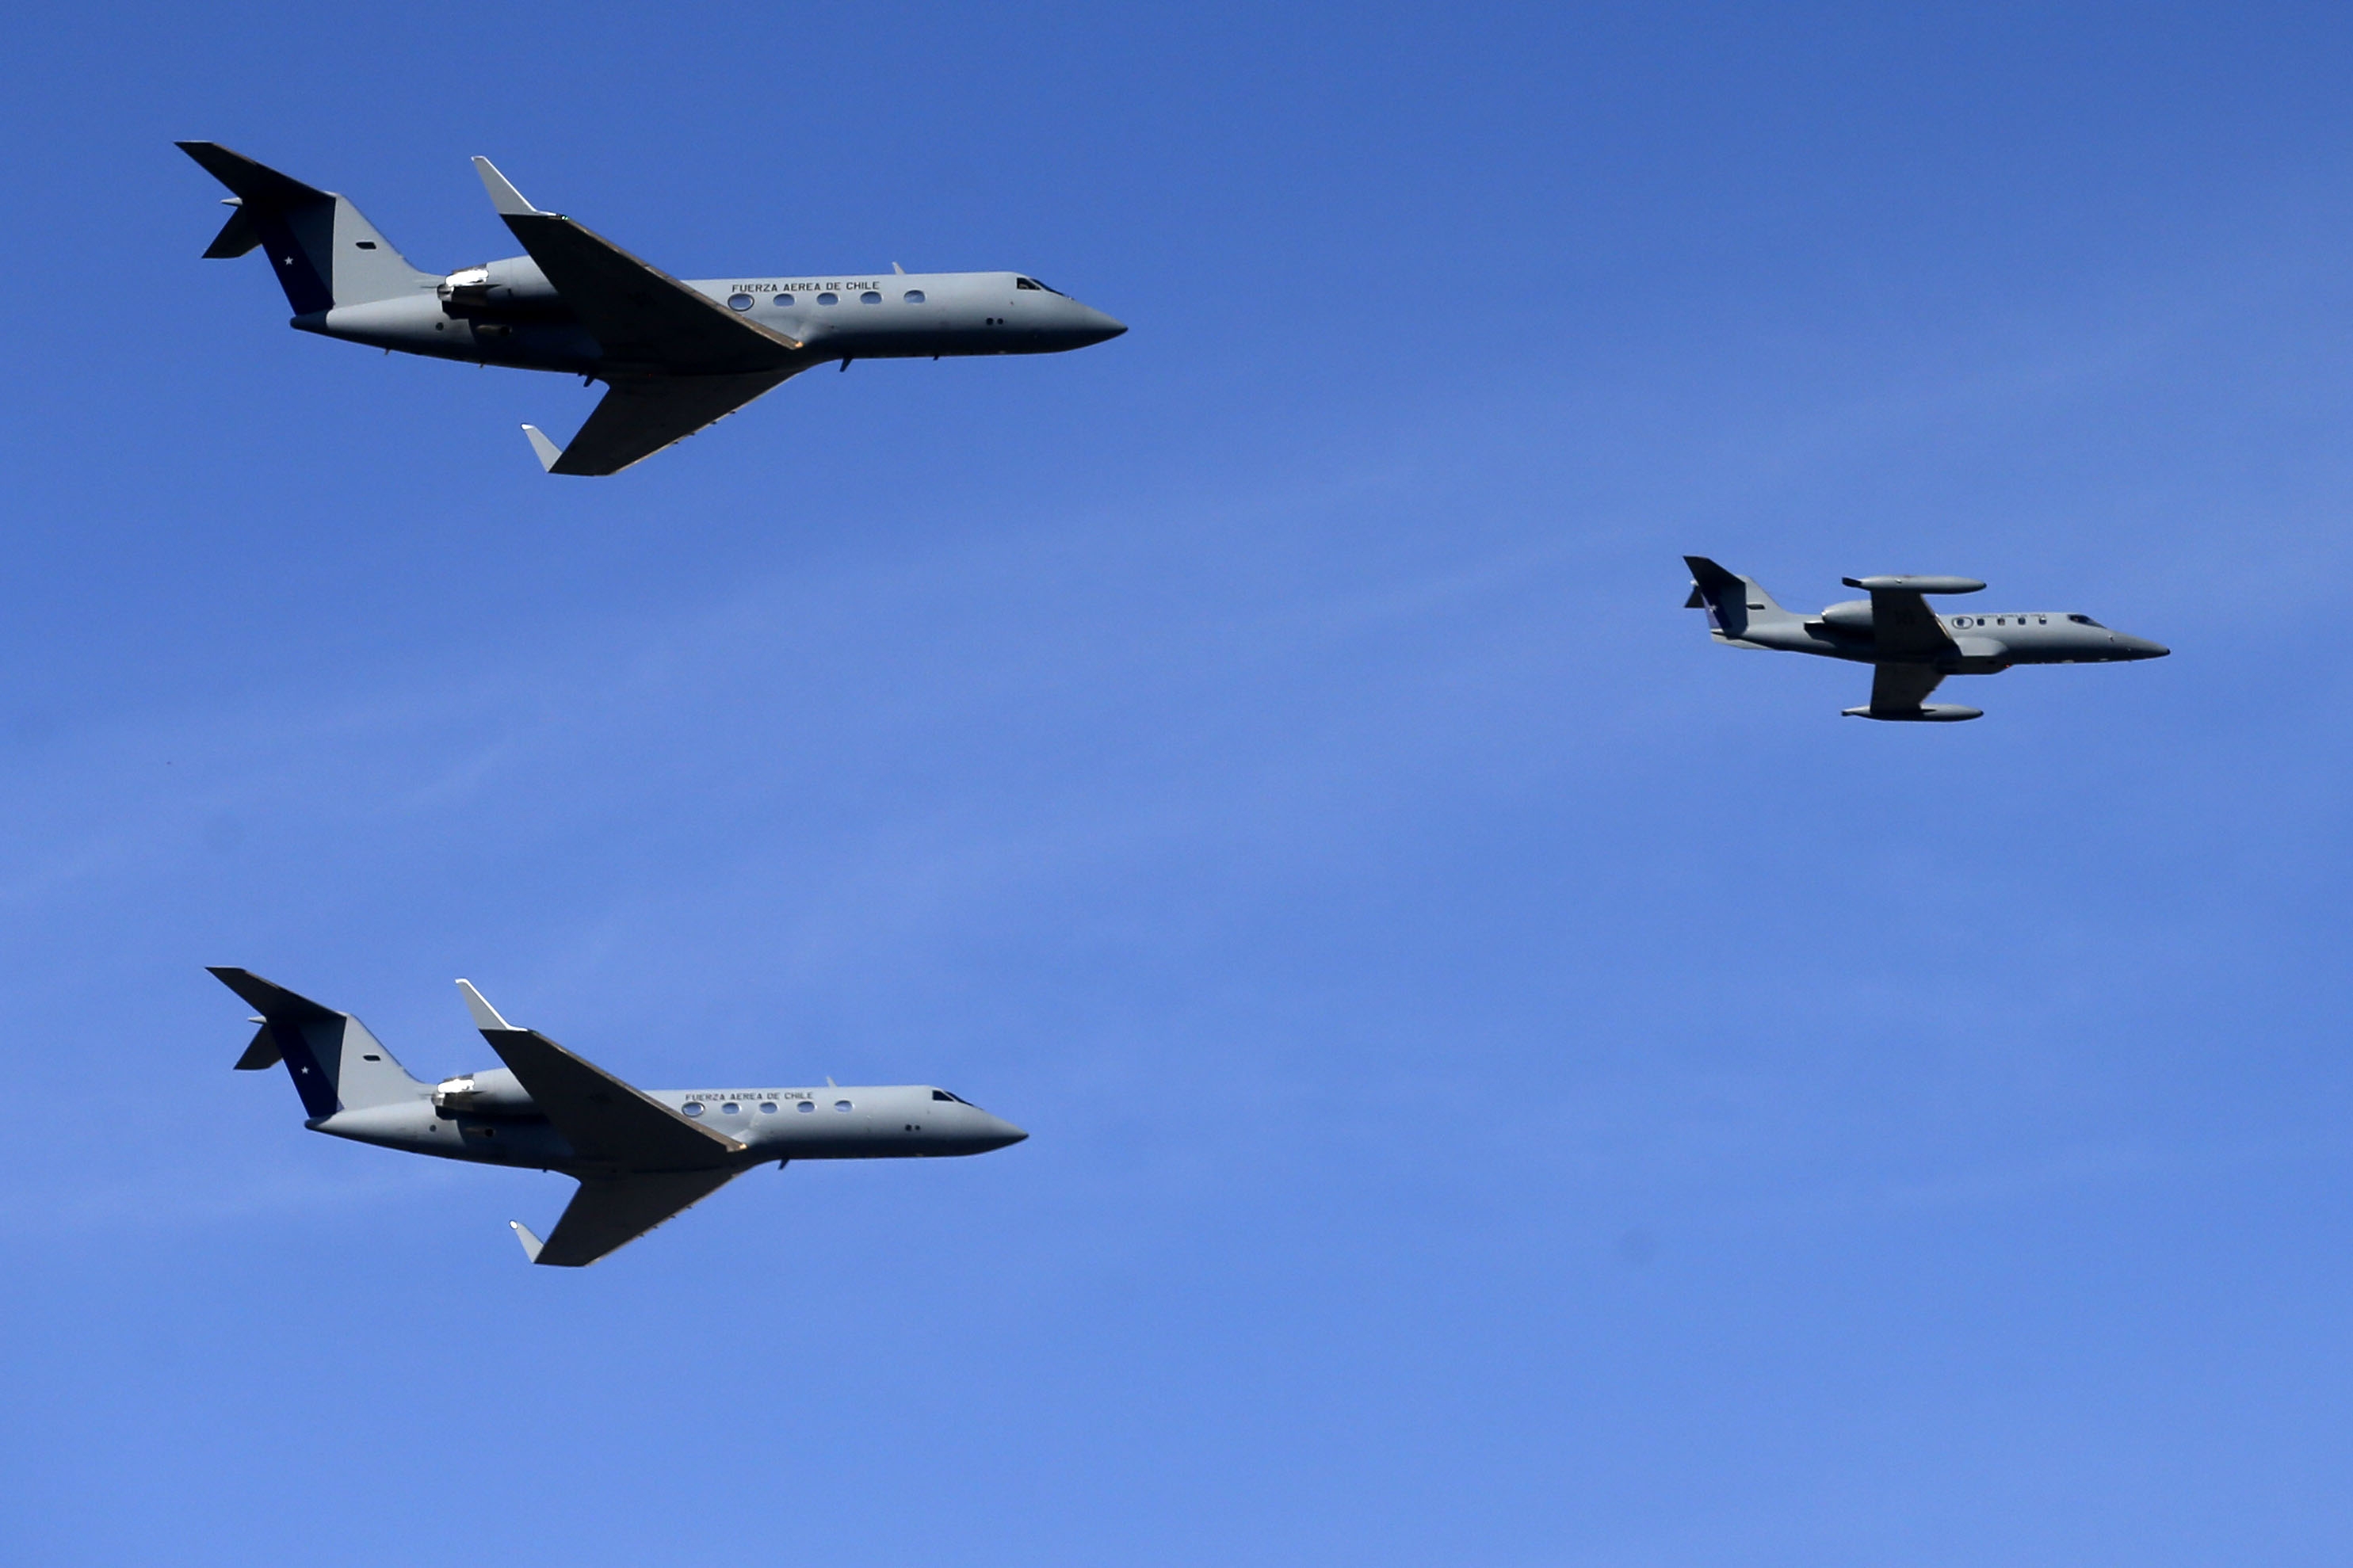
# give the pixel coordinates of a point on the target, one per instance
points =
(238, 235)
(548, 452)
(257, 184)
(531, 1244)
(272, 1002)
(262, 1053)
(1903, 583)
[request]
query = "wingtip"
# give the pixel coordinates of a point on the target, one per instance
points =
(486, 1017)
(531, 1244)
(549, 453)
(508, 200)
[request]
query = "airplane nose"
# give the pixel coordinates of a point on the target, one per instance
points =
(2141, 647)
(1099, 328)
(1003, 1135)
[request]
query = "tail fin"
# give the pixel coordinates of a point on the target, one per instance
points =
(324, 253)
(335, 1063)
(1733, 602)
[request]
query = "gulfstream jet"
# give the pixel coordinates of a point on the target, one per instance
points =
(674, 356)
(640, 1155)
(1910, 647)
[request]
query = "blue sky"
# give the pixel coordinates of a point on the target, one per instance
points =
(1510, 1082)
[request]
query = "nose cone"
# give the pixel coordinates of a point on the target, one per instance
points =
(2140, 648)
(1000, 1133)
(1094, 327)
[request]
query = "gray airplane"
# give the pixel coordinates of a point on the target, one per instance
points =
(640, 1156)
(674, 356)
(1909, 646)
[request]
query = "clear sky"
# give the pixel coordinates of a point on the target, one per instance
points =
(1509, 1081)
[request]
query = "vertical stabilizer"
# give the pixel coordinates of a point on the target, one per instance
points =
(324, 252)
(1733, 602)
(335, 1063)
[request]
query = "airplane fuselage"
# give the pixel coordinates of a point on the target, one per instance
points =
(1982, 644)
(506, 314)
(889, 1122)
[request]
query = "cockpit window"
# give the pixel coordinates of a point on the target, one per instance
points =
(1028, 283)
(944, 1094)
(2084, 620)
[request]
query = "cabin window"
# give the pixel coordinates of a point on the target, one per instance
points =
(767, 1107)
(841, 1105)
(828, 299)
(693, 1108)
(784, 301)
(730, 1108)
(870, 298)
(739, 301)
(805, 1105)
(914, 296)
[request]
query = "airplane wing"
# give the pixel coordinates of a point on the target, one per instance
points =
(636, 312)
(642, 414)
(1900, 688)
(604, 1121)
(1903, 627)
(607, 1214)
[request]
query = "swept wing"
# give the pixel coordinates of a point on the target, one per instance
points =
(640, 314)
(607, 1122)
(608, 1213)
(678, 359)
(642, 414)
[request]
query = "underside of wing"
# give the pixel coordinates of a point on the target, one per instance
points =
(641, 415)
(607, 1122)
(1903, 627)
(608, 1213)
(1902, 688)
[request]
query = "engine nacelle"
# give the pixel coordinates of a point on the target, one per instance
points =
(1854, 616)
(515, 289)
(496, 1092)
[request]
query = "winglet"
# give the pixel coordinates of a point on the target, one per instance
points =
(486, 1017)
(531, 1244)
(549, 452)
(504, 198)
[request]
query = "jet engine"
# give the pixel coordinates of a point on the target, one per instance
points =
(1854, 615)
(515, 289)
(492, 1093)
